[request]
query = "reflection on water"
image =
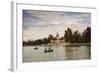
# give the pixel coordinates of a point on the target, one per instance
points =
(59, 53)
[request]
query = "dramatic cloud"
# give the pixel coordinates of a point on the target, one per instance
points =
(39, 24)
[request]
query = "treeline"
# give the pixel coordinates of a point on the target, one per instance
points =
(69, 37)
(76, 37)
(36, 42)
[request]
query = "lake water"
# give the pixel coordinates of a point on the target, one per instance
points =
(59, 53)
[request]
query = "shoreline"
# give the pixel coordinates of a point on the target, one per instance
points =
(64, 44)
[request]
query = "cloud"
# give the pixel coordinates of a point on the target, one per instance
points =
(43, 23)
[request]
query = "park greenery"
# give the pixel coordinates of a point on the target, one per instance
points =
(69, 37)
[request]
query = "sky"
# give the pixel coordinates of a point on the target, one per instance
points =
(39, 24)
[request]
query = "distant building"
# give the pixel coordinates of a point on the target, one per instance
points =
(57, 40)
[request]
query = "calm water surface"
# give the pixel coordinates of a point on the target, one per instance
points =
(59, 53)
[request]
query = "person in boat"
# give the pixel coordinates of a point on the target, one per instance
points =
(45, 50)
(49, 50)
(35, 48)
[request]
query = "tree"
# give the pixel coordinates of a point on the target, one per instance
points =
(45, 41)
(50, 38)
(76, 37)
(86, 35)
(68, 35)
